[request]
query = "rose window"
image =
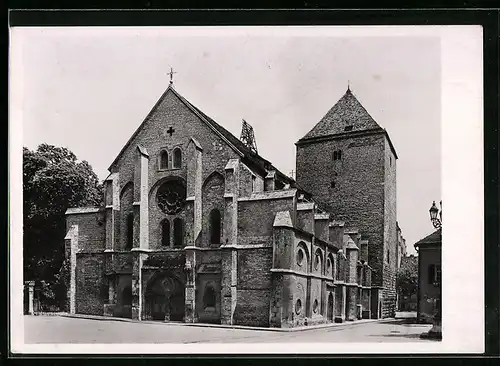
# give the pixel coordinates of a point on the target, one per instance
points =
(171, 197)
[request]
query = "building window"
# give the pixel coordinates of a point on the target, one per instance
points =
(434, 274)
(171, 197)
(388, 259)
(317, 260)
(298, 306)
(215, 226)
(209, 297)
(130, 230)
(177, 158)
(178, 232)
(315, 306)
(348, 128)
(163, 160)
(337, 155)
(165, 233)
(300, 257)
(332, 184)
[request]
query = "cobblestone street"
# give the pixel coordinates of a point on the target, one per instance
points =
(58, 329)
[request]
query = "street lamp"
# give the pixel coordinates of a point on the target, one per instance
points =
(433, 211)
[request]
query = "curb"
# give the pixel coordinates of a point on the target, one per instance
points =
(223, 326)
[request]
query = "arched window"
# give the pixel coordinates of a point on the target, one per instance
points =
(209, 297)
(178, 232)
(130, 230)
(163, 160)
(165, 233)
(215, 230)
(177, 158)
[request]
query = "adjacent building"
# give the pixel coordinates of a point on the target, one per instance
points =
(429, 276)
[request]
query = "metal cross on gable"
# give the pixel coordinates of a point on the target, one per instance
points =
(171, 73)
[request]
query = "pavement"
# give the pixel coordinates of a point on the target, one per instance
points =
(65, 329)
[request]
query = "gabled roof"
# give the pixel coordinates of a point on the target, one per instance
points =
(347, 115)
(248, 156)
(430, 240)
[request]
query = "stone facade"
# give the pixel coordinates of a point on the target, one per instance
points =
(197, 227)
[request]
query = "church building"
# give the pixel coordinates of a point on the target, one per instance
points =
(198, 227)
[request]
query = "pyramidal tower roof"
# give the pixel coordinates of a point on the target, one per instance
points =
(347, 115)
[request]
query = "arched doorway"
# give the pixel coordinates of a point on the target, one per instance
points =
(165, 299)
(330, 307)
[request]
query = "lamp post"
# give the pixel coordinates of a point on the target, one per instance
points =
(435, 332)
(433, 211)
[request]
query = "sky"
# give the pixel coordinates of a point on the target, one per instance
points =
(88, 89)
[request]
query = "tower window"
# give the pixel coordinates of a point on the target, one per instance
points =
(348, 128)
(332, 184)
(337, 155)
(177, 158)
(165, 233)
(163, 160)
(178, 232)
(215, 221)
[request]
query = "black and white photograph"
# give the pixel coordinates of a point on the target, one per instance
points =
(182, 189)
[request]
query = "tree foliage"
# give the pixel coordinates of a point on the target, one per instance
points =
(53, 180)
(407, 276)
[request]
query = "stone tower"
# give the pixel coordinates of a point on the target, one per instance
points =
(348, 163)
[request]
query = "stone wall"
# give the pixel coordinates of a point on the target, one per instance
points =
(254, 287)
(390, 235)
(91, 287)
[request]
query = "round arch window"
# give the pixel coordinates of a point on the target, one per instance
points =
(171, 197)
(315, 306)
(300, 257)
(298, 306)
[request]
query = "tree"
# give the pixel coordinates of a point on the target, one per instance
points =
(407, 276)
(53, 180)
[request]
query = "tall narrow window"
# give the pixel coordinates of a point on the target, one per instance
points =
(178, 232)
(339, 154)
(177, 158)
(130, 230)
(215, 231)
(163, 160)
(165, 233)
(334, 155)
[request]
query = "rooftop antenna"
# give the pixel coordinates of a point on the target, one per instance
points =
(248, 137)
